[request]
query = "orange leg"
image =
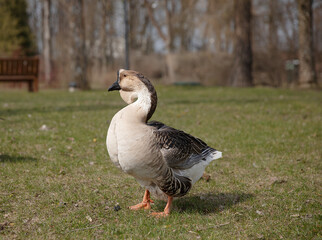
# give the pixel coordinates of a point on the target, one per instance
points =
(145, 204)
(166, 211)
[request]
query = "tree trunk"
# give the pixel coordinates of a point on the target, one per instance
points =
(307, 76)
(81, 68)
(274, 62)
(111, 32)
(134, 16)
(103, 38)
(126, 34)
(242, 67)
(46, 41)
(170, 57)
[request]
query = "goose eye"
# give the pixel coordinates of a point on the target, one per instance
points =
(124, 75)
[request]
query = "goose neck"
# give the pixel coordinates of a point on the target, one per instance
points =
(146, 103)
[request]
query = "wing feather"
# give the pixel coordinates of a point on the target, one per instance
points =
(179, 149)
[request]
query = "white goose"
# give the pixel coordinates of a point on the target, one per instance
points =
(165, 161)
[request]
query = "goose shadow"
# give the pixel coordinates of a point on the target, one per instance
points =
(13, 159)
(208, 203)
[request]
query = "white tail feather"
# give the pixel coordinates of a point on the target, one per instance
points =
(217, 155)
(213, 156)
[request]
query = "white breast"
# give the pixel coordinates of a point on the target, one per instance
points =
(130, 146)
(136, 154)
(111, 141)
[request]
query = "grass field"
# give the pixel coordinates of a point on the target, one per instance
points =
(57, 182)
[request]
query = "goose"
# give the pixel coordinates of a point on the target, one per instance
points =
(167, 162)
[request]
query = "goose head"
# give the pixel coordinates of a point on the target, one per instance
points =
(137, 89)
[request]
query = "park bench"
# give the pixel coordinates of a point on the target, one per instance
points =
(20, 69)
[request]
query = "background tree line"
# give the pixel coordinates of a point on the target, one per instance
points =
(214, 42)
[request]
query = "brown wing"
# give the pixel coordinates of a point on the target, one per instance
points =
(179, 149)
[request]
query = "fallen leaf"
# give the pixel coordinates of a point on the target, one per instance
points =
(255, 165)
(89, 218)
(44, 128)
(206, 177)
(166, 226)
(259, 212)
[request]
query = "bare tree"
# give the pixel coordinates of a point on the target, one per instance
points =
(46, 41)
(307, 76)
(273, 72)
(126, 34)
(166, 37)
(103, 33)
(242, 67)
(219, 16)
(81, 55)
(87, 40)
(139, 24)
(184, 29)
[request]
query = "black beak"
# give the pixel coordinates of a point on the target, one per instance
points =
(115, 85)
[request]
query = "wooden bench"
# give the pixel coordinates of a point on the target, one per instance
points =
(21, 69)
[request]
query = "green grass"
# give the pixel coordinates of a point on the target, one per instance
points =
(60, 184)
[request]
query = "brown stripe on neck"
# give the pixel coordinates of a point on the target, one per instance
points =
(153, 94)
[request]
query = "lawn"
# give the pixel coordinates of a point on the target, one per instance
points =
(57, 182)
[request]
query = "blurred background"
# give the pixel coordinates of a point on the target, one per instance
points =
(238, 43)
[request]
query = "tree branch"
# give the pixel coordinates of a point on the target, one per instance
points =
(153, 20)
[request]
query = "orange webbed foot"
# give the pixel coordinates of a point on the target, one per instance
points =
(142, 205)
(166, 211)
(145, 204)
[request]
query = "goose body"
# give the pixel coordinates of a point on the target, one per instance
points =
(165, 161)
